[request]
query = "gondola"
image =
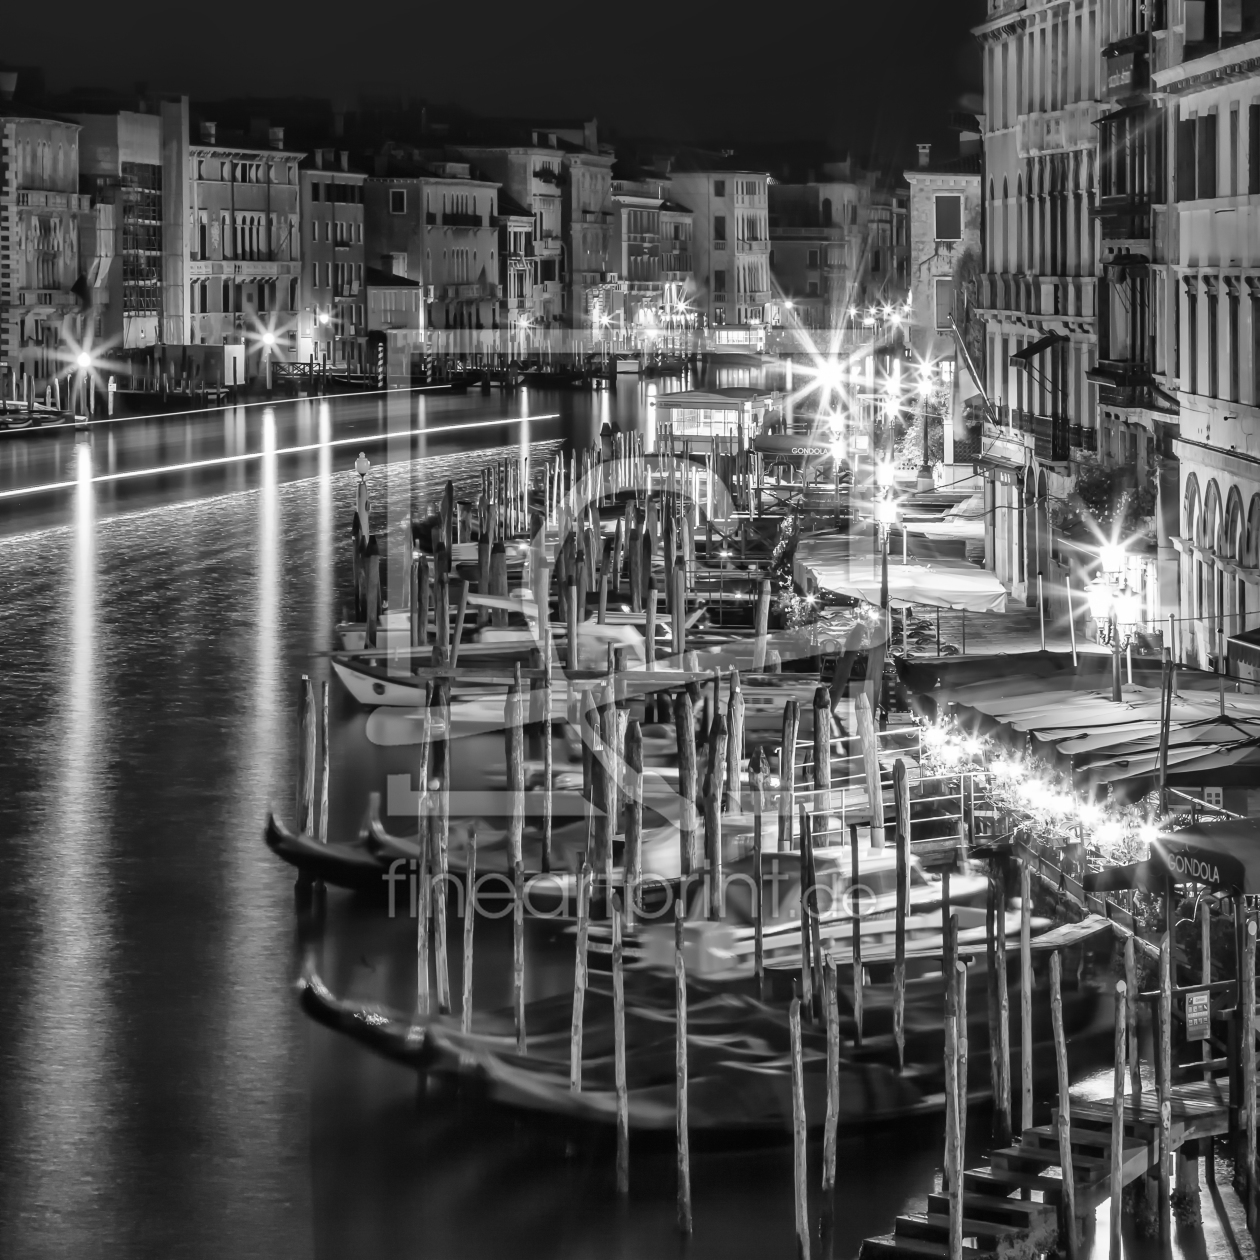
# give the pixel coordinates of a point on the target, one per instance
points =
(738, 1052)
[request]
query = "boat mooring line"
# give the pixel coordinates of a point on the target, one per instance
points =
(219, 460)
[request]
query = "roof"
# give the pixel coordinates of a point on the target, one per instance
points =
(731, 399)
(376, 278)
(676, 207)
(510, 207)
(17, 112)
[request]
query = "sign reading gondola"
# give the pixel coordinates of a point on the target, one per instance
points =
(1190, 864)
(1198, 1014)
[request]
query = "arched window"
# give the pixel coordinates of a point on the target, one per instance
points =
(1210, 524)
(1020, 262)
(1193, 506)
(1235, 539)
(1251, 554)
(1006, 240)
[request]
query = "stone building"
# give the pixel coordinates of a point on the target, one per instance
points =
(332, 326)
(649, 258)
(1211, 81)
(244, 245)
(1037, 293)
(44, 293)
(430, 220)
(731, 236)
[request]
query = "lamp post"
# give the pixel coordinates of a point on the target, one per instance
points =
(1111, 599)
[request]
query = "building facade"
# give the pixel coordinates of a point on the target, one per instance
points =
(332, 326)
(120, 169)
(436, 224)
(244, 246)
(531, 174)
(44, 299)
(1037, 293)
(1213, 232)
(586, 215)
(650, 259)
(818, 254)
(731, 235)
(944, 219)
(517, 267)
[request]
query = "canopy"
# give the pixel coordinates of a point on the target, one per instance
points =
(1224, 855)
(845, 567)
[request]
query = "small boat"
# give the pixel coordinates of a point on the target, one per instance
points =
(739, 1054)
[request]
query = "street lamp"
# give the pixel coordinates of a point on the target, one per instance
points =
(1120, 607)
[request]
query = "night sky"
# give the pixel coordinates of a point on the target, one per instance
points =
(876, 76)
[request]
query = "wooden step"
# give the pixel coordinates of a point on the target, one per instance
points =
(1029, 1159)
(1045, 1137)
(889, 1247)
(1020, 1213)
(934, 1226)
(1003, 1181)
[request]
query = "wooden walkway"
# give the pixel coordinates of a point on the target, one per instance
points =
(1019, 1190)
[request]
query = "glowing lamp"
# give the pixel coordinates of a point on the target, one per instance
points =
(84, 359)
(886, 512)
(362, 464)
(269, 339)
(323, 319)
(1128, 607)
(1099, 595)
(884, 472)
(1148, 833)
(1111, 556)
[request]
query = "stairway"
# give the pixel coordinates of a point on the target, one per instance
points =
(1019, 1191)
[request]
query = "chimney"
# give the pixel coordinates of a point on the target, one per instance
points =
(275, 137)
(207, 133)
(345, 159)
(925, 155)
(8, 84)
(319, 159)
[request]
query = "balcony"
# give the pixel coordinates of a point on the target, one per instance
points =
(453, 218)
(1052, 435)
(1125, 216)
(46, 297)
(1068, 297)
(752, 247)
(470, 292)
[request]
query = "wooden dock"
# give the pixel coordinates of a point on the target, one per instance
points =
(1018, 1191)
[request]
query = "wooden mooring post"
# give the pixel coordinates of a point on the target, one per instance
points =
(619, 1054)
(1067, 1216)
(1117, 1122)
(1025, 998)
(579, 977)
(787, 774)
(681, 1134)
(685, 736)
(901, 802)
(758, 769)
(470, 918)
(800, 1170)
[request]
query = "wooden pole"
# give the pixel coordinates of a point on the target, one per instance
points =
(960, 1001)
(684, 730)
(1002, 1081)
(679, 609)
(1130, 1019)
(952, 1172)
(832, 1120)
(1205, 972)
(571, 623)
(901, 802)
(713, 815)
(757, 772)
(424, 895)
(1067, 1223)
(619, 1058)
(1164, 1050)
(761, 626)
(649, 623)
(870, 763)
(518, 954)
(822, 753)
(325, 769)
(579, 978)
(1025, 997)
(807, 978)
(1117, 1124)
(308, 753)
(734, 747)
(633, 858)
(1247, 1000)
(855, 882)
(547, 751)
(681, 1134)
(461, 617)
(799, 1164)
(439, 837)
(470, 915)
(514, 738)
(787, 774)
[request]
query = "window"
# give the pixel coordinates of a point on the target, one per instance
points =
(811, 288)
(1233, 149)
(812, 258)
(1213, 348)
(315, 190)
(826, 212)
(1186, 160)
(1232, 333)
(1253, 149)
(1192, 333)
(944, 301)
(719, 188)
(948, 218)
(398, 201)
(719, 227)
(719, 282)
(1206, 157)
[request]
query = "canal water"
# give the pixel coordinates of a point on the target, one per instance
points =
(161, 1094)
